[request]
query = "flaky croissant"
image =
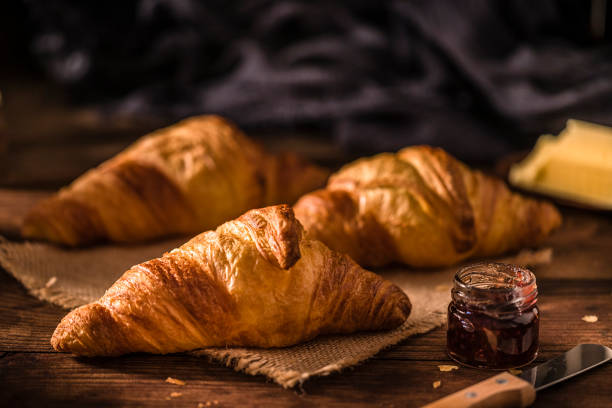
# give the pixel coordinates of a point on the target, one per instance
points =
(183, 179)
(421, 207)
(255, 281)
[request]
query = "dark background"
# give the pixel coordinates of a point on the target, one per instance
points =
(80, 80)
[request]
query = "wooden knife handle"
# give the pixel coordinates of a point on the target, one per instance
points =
(503, 390)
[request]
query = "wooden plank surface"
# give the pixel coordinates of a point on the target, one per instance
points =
(577, 282)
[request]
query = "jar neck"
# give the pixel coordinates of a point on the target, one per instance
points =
(495, 289)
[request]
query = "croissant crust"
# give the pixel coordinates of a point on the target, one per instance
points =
(421, 207)
(183, 179)
(255, 281)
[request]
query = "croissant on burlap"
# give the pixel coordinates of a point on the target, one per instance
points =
(423, 208)
(256, 281)
(183, 179)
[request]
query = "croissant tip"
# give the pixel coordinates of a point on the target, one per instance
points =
(37, 227)
(29, 230)
(56, 342)
(552, 217)
(61, 221)
(401, 310)
(60, 337)
(89, 330)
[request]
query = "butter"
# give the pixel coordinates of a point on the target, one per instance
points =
(576, 165)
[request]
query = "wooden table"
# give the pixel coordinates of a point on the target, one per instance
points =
(577, 282)
(45, 144)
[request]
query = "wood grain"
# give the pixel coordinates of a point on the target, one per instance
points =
(59, 380)
(577, 282)
(26, 323)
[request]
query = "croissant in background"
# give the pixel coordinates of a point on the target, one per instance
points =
(421, 207)
(255, 281)
(183, 179)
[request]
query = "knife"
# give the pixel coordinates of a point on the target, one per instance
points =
(507, 390)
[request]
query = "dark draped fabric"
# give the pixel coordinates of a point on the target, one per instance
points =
(479, 78)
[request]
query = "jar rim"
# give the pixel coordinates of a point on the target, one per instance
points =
(487, 270)
(495, 288)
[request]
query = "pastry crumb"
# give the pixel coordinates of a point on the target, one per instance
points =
(590, 318)
(175, 394)
(215, 402)
(174, 381)
(437, 384)
(515, 371)
(51, 282)
(445, 367)
(200, 405)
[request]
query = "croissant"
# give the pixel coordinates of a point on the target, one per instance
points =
(184, 179)
(256, 281)
(421, 207)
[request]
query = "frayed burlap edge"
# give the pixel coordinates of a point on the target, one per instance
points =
(288, 367)
(46, 293)
(32, 285)
(251, 362)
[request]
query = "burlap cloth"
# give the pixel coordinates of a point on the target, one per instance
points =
(70, 278)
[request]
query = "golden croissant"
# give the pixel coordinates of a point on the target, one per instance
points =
(255, 281)
(183, 179)
(421, 207)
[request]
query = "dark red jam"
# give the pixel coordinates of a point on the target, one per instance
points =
(493, 320)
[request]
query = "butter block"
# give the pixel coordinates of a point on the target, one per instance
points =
(576, 165)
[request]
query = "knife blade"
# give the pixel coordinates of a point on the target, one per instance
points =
(507, 390)
(581, 358)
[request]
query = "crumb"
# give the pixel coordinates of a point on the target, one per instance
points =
(176, 394)
(215, 402)
(437, 384)
(448, 367)
(174, 381)
(515, 371)
(51, 282)
(200, 405)
(590, 318)
(208, 404)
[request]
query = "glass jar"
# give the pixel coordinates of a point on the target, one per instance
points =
(493, 320)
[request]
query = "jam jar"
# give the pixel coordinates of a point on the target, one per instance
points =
(493, 319)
